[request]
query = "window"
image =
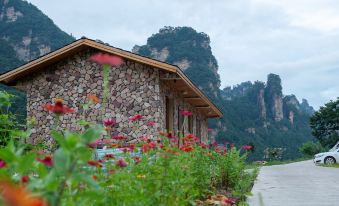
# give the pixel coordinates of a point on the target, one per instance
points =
(169, 114)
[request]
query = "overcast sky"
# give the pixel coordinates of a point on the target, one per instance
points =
(297, 39)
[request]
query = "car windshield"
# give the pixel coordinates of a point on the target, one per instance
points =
(336, 146)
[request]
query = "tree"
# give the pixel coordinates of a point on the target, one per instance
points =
(325, 124)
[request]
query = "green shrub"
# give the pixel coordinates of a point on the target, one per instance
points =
(309, 149)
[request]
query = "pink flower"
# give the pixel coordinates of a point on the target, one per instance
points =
(106, 59)
(230, 201)
(2, 164)
(136, 117)
(247, 147)
(48, 161)
(109, 122)
(119, 137)
(174, 140)
(151, 123)
(186, 113)
(210, 130)
(121, 163)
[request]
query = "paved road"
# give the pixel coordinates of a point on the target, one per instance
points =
(296, 184)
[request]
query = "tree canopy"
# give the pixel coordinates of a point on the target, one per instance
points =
(325, 123)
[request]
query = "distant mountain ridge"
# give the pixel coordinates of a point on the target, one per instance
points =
(26, 33)
(254, 113)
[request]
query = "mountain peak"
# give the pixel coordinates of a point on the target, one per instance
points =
(26, 33)
(190, 51)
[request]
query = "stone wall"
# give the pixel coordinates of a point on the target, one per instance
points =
(134, 89)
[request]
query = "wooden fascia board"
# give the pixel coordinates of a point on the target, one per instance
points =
(197, 91)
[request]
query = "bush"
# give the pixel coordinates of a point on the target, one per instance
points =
(309, 149)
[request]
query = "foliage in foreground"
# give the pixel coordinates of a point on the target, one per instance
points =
(153, 172)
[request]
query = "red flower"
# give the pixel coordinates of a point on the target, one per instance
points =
(94, 177)
(121, 163)
(48, 161)
(147, 147)
(247, 147)
(106, 59)
(24, 179)
(170, 135)
(2, 164)
(126, 149)
(119, 137)
(132, 146)
(203, 145)
(186, 148)
(109, 156)
(109, 122)
(136, 117)
(136, 159)
(58, 108)
(174, 140)
(94, 163)
(186, 113)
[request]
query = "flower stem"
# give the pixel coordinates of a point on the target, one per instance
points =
(106, 69)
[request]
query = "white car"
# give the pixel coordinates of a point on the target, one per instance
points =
(330, 157)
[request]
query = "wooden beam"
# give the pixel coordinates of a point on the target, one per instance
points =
(202, 107)
(192, 97)
(171, 79)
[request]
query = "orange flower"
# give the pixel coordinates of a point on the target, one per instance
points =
(92, 98)
(18, 196)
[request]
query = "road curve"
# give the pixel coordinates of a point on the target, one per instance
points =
(296, 184)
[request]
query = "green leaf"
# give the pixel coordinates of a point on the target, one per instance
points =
(25, 163)
(59, 138)
(92, 134)
(7, 155)
(62, 161)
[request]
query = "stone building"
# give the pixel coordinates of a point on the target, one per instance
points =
(156, 90)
